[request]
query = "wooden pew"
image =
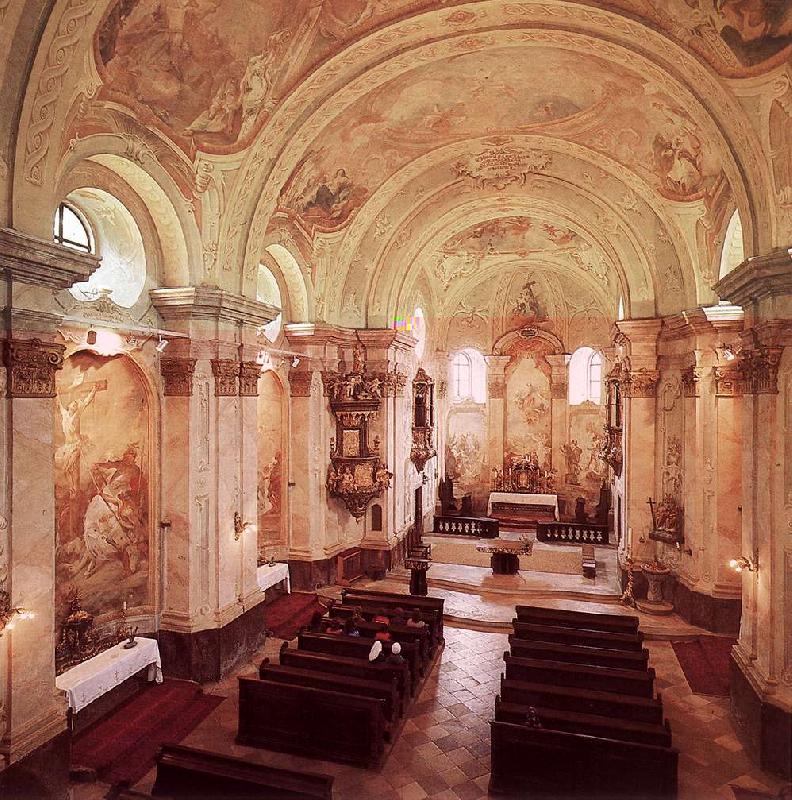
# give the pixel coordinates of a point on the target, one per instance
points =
(281, 673)
(312, 722)
(587, 638)
(352, 596)
(586, 701)
(371, 606)
(578, 619)
(353, 667)
(576, 654)
(369, 612)
(581, 676)
(186, 772)
(358, 647)
(399, 633)
(588, 724)
(571, 765)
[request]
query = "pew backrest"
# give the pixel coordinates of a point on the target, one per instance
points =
(583, 619)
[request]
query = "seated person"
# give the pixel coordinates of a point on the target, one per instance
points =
(315, 625)
(382, 617)
(351, 628)
(398, 617)
(395, 656)
(415, 620)
(357, 615)
(334, 627)
(383, 636)
(375, 654)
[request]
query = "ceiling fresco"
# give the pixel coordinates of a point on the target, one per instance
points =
(580, 98)
(210, 72)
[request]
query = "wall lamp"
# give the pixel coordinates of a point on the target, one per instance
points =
(10, 614)
(741, 563)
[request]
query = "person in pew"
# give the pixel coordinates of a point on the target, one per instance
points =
(398, 617)
(315, 625)
(351, 628)
(335, 627)
(383, 636)
(415, 620)
(395, 656)
(375, 655)
(382, 617)
(357, 615)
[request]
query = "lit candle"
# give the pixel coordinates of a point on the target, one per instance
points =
(124, 605)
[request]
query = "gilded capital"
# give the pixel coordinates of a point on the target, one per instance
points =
(177, 376)
(32, 365)
(226, 373)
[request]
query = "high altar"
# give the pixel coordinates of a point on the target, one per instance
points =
(522, 487)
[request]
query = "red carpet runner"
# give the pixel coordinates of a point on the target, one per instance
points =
(123, 746)
(289, 613)
(705, 662)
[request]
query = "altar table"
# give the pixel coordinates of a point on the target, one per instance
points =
(523, 499)
(267, 576)
(90, 680)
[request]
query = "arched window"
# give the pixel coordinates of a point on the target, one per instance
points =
(268, 291)
(594, 377)
(733, 253)
(585, 376)
(71, 230)
(462, 376)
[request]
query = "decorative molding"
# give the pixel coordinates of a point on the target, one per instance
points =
(50, 83)
(177, 376)
(32, 365)
(759, 370)
(728, 381)
(226, 373)
(40, 262)
(204, 302)
(642, 383)
(496, 387)
(249, 374)
(500, 167)
(690, 382)
(300, 382)
(559, 390)
(442, 389)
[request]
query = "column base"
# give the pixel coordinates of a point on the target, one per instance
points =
(210, 654)
(767, 727)
(44, 773)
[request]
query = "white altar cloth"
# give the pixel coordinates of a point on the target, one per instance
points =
(87, 681)
(267, 576)
(522, 498)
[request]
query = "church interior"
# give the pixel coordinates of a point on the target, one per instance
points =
(396, 399)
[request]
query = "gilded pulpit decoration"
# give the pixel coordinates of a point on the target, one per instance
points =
(423, 420)
(611, 451)
(226, 373)
(249, 374)
(32, 365)
(356, 475)
(177, 376)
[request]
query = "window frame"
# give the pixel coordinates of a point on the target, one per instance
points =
(59, 237)
(590, 365)
(462, 360)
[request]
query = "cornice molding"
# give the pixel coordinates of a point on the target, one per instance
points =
(206, 302)
(758, 278)
(28, 259)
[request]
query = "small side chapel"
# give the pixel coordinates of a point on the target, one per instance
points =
(395, 399)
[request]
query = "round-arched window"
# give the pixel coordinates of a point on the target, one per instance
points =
(71, 229)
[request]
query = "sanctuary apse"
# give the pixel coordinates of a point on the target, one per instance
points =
(297, 283)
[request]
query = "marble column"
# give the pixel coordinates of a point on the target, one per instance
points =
(761, 678)
(638, 340)
(209, 480)
(32, 710)
(496, 412)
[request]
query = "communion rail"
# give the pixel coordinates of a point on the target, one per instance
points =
(480, 527)
(572, 533)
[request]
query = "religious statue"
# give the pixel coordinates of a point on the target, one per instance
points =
(572, 451)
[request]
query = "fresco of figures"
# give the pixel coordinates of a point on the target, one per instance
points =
(270, 461)
(466, 449)
(102, 485)
(581, 451)
(528, 410)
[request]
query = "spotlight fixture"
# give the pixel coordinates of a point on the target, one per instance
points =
(728, 353)
(90, 337)
(263, 359)
(742, 563)
(295, 362)
(161, 344)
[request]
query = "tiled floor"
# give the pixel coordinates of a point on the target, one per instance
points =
(443, 749)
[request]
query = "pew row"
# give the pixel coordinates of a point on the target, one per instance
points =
(607, 727)
(352, 596)
(616, 623)
(580, 654)
(567, 764)
(587, 638)
(318, 723)
(606, 679)
(186, 772)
